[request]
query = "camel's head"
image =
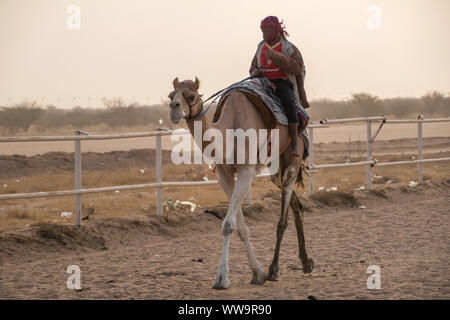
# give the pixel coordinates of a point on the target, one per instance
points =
(184, 100)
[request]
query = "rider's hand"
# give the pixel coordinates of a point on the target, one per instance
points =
(269, 53)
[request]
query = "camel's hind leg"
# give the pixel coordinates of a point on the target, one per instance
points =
(226, 180)
(289, 175)
(297, 210)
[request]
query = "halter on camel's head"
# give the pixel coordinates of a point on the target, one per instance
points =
(185, 101)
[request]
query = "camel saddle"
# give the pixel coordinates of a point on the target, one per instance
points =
(260, 92)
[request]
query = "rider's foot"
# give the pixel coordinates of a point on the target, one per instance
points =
(293, 126)
(295, 152)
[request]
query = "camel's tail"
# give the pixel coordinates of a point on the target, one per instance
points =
(300, 175)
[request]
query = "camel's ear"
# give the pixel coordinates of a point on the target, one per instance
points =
(196, 84)
(175, 83)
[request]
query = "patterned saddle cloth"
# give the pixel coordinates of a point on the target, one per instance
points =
(261, 93)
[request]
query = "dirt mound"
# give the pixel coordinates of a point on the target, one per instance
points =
(70, 236)
(18, 165)
(99, 235)
(44, 238)
(338, 199)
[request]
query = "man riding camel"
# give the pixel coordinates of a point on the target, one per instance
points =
(281, 62)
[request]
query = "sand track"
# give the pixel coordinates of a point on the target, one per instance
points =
(403, 230)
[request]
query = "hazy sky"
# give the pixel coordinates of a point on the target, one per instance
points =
(135, 48)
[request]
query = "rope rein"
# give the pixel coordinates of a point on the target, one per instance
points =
(216, 95)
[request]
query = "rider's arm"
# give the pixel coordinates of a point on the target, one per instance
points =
(254, 65)
(292, 64)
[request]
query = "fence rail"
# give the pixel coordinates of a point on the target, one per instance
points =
(370, 163)
(312, 167)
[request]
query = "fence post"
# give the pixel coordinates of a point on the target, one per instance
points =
(369, 154)
(311, 160)
(158, 175)
(419, 149)
(77, 180)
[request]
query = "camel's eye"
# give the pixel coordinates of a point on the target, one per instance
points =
(189, 95)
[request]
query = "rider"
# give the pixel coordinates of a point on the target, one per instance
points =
(281, 62)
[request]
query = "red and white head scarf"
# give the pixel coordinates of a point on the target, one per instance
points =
(277, 27)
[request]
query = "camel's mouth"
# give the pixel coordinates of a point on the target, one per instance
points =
(176, 117)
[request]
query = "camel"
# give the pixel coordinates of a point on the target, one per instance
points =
(239, 112)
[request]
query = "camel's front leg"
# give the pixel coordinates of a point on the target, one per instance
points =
(244, 181)
(288, 182)
(297, 210)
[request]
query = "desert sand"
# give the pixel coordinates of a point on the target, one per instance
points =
(403, 230)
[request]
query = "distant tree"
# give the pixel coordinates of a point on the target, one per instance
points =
(116, 102)
(120, 114)
(80, 117)
(20, 117)
(366, 104)
(435, 103)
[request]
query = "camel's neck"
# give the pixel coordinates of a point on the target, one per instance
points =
(199, 134)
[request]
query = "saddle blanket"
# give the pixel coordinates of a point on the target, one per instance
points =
(263, 89)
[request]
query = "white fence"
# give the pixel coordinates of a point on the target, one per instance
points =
(370, 162)
(159, 184)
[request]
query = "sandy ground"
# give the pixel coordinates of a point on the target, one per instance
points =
(335, 133)
(403, 230)
(141, 256)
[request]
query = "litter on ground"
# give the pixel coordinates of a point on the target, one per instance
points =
(170, 204)
(66, 214)
(412, 184)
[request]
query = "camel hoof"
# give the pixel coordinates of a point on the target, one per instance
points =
(221, 283)
(272, 275)
(308, 266)
(258, 277)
